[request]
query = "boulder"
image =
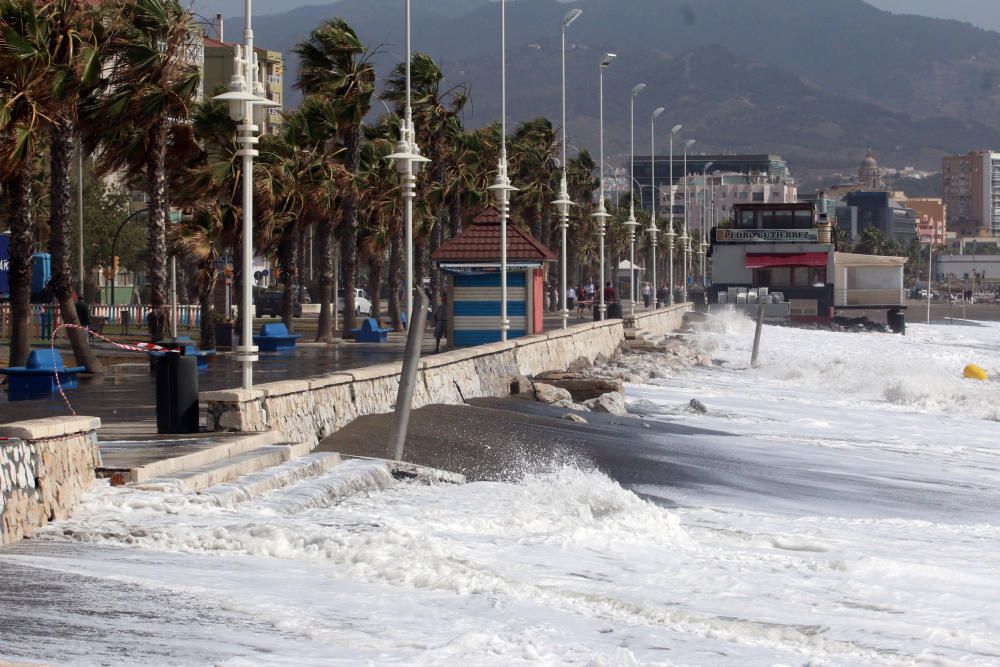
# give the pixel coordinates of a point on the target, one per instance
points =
(581, 387)
(550, 395)
(697, 406)
(573, 417)
(612, 403)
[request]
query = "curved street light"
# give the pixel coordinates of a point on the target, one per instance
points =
(601, 213)
(671, 234)
(563, 202)
(631, 223)
(685, 237)
(653, 229)
(704, 222)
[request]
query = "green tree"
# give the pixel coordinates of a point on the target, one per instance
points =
(150, 91)
(333, 63)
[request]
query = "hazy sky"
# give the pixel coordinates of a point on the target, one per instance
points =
(983, 13)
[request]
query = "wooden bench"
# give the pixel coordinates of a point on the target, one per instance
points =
(371, 332)
(275, 338)
(37, 378)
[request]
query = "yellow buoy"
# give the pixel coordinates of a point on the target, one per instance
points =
(974, 372)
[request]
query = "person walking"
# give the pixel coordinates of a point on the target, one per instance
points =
(647, 294)
(610, 293)
(570, 298)
(441, 322)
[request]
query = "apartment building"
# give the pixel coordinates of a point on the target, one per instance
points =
(972, 193)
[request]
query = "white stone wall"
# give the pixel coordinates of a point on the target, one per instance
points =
(310, 410)
(45, 467)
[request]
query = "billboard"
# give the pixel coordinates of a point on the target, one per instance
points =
(766, 236)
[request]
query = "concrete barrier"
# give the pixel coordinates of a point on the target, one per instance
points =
(310, 410)
(45, 466)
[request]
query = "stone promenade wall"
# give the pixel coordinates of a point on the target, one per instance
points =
(663, 320)
(45, 466)
(310, 410)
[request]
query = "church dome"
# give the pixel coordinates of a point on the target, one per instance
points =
(868, 172)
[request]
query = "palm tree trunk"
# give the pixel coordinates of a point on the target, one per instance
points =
(437, 238)
(349, 228)
(156, 174)
(60, 155)
(324, 330)
(395, 281)
(20, 265)
(286, 260)
(455, 215)
(206, 302)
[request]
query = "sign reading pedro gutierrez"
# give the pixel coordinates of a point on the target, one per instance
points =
(766, 235)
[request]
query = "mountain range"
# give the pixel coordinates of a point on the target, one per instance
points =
(815, 81)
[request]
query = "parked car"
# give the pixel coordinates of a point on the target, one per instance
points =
(269, 303)
(362, 306)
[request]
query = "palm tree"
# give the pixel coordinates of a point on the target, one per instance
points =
(75, 44)
(435, 114)
(197, 237)
(380, 207)
(25, 93)
(333, 63)
(872, 242)
(151, 88)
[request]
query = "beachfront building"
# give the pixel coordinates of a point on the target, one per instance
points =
(779, 247)
(972, 193)
(471, 263)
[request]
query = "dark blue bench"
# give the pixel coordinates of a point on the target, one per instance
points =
(275, 338)
(188, 349)
(37, 379)
(371, 332)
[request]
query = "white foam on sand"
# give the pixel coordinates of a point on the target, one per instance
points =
(567, 567)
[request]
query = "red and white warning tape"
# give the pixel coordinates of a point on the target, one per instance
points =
(137, 347)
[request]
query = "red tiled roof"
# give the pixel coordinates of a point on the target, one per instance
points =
(480, 242)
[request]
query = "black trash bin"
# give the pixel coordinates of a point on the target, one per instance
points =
(177, 394)
(615, 310)
(597, 312)
(897, 321)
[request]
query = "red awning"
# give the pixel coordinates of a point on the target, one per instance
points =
(760, 261)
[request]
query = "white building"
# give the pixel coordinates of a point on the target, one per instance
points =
(717, 194)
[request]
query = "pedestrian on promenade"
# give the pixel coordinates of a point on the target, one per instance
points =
(610, 293)
(647, 294)
(570, 298)
(441, 321)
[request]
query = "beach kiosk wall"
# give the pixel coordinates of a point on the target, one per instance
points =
(471, 264)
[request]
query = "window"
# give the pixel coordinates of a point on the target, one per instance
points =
(783, 219)
(758, 196)
(799, 277)
(803, 220)
(746, 220)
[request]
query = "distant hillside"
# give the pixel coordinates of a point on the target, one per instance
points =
(814, 80)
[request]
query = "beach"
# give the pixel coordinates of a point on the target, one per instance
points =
(836, 505)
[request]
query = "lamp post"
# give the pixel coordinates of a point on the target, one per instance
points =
(704, 222)
(408, 161)
(601, 213)
(501, 186)
(563, 201)
(670, 230)
(632, 223)
(652, 182)
(246, 106)
(685, 238)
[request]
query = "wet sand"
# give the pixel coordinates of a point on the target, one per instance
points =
(504, 439)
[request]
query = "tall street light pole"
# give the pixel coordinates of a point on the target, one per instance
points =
(685, 237)
(632, 223)
(247, 106)
(704, 222)
(564, 202)
(652, 182)
(408, 162)
(501, 186)
(601, 213)
(670, 230)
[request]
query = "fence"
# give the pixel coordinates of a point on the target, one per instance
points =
(45, 318)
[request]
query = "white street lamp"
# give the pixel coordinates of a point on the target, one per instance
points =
(632, 223)
(704, 222)
(408, 163)
(248, 108)
(685, 237)
(601, 213)
(502, 185)
(563, 202)
(670, 230)
(652, 181)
